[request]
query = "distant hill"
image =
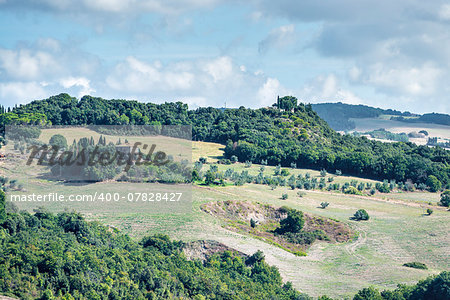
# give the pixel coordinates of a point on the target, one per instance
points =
(338, 115)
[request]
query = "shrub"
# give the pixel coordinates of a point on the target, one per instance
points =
(429, 211)
(324, 205)
(253, 223)
(338, 172)
(294, 165)
(416, 265)
(361, 215)
(351, 190)
(285, 172)
(301, 194)
(330, 179)
(284, 196)
(445, 199)
(234, 159)
(201, 159)
(323, 172)
(292, 223)
(433, 184)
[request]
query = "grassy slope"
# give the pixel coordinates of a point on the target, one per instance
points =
(396, 233)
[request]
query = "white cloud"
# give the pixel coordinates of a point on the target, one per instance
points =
(118, 7)
(444, 12)
(21, 92)
(414, 81)
(328, 89)
(79, 82)
(270, 91)
(220, 68)
(24, 64)
(200, 82)
(279, 38)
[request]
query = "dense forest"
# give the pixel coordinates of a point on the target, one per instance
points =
(47, 256)
(290, 134)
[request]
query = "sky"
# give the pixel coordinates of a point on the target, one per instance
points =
(389, 54)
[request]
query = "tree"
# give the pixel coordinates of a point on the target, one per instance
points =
(433, 184)
(58, 141)
(429, 211)
(284, 196)
(253, 223)
(445, 199)
(2, 206)
(369, 293)
(209, 178)
(361, 215)
(293, 222)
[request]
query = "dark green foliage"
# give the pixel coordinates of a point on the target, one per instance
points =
(361, 215)
(445, 199)
(416, 265)
(294, 221)
(429, 211)
(45, 255)
(210, 177)
(253, 223)
(284, 196)
(324, 205)
(2, 206)
(433, 184)
(369, 293)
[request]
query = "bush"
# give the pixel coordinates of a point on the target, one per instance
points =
(338, 172)
(416, 265)
(252, 223)
(445, 199)
(433, 184)
(351, 190)
(292, 223)
(285, 172)
(248, 164)
(361, 215)
(429, 211)
(234, 159)
(323, 172)
(324, 205)
(301, 194)
(284, 196)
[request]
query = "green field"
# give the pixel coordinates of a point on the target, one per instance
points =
(397, 232)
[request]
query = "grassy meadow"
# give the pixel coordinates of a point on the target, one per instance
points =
(398, 230)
